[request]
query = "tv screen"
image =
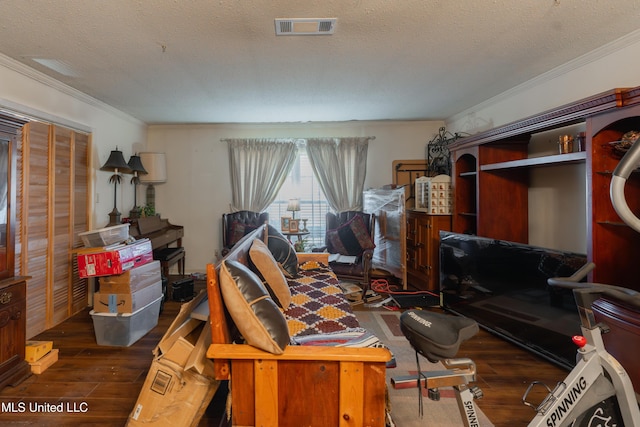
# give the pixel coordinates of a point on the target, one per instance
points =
(503, 286)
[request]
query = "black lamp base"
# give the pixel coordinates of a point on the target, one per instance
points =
(135, 213)
(114, 218)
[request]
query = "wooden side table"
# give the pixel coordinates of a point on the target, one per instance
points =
(299, 234)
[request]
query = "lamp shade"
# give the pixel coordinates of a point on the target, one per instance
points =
(156, 166)
(116, 162)
(135, 164)
(294, 205)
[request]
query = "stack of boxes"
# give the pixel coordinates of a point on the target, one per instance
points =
(127, 303)
(40, 355)
(433, 195)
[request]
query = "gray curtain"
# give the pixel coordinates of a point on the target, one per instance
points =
(340, 164)
(258, 168)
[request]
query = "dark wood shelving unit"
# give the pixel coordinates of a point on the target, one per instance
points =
(491, 181)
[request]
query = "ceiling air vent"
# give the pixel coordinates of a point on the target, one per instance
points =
(305, 26)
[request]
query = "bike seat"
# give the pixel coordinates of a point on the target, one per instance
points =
(436, 336)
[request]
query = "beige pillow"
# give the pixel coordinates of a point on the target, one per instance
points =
(257, 317)
(267, 266)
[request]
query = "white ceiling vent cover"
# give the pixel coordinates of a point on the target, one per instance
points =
(305, 26)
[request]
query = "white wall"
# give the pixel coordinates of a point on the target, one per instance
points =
(26, 91)
(557, 195)
(197, 191)
(615, 65)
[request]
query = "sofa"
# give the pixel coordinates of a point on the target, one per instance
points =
(293, 354)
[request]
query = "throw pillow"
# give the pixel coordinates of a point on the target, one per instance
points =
(351, 238)
(257, 317)
(283, 252)
(268, 268)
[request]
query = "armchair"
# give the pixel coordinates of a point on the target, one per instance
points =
(351, 233)
(236, 225)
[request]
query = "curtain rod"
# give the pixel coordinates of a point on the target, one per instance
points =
(297, 138)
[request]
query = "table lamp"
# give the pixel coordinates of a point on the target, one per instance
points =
(116, 164)
(135, 164)
(293, 207)
(156, 165)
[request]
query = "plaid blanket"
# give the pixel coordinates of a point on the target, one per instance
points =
(318, 305)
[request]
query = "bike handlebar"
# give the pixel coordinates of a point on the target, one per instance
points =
(628, 296)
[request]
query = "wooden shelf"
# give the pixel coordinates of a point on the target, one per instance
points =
(576, 157)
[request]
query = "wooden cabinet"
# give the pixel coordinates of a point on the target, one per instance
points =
(423, 248)
(491, 180)
(13, 367)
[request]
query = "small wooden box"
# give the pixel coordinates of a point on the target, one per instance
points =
(47, 360)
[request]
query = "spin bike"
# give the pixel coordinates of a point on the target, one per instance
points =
(597, 392)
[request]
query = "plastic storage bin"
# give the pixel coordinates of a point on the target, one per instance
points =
(105, 236)
(122, 330)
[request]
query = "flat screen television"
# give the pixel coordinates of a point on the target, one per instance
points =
(503, 286)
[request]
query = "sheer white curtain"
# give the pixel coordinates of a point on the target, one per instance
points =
(258, 169)
(340, 164)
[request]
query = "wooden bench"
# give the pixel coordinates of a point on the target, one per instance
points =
(306, 385)
(168, 257)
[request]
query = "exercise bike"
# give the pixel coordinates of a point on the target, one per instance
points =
(597, 391)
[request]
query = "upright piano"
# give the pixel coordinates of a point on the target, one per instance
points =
(166, 240)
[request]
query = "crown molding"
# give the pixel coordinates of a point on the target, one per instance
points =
(579, 62)
(57, 85)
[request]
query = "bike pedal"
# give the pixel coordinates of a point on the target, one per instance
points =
(477, 392)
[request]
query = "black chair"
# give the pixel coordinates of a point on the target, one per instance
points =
(236, 225)
(360, 271)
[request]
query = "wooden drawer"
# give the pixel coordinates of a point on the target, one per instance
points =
(12, 294)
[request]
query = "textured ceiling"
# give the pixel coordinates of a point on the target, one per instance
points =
(197, 61)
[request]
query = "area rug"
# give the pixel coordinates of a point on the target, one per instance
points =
(404, 402)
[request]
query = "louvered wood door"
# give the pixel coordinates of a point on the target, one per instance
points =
(53, 210)
(80, 208)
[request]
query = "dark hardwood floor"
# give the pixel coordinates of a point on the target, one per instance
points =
(103, 383)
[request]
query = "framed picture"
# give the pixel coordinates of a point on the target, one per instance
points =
(294, 225)
(284, 223)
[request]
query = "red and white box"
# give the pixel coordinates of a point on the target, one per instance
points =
(114, 259)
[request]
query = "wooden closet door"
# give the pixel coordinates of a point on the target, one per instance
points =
(53, 210)
(80, 208)
(34, 215)
(60, 218)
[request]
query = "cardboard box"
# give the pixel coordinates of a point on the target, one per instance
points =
(126, 303)
(180, 383)
(172, 397)
(34, 350)
(47, 360)
(114, 259)
(132, 280)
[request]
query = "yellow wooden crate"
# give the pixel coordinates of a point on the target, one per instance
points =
(41, 365)
(34, 350)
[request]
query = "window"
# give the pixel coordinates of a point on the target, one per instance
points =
(303, 185)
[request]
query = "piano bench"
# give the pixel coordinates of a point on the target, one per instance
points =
(168, 257)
